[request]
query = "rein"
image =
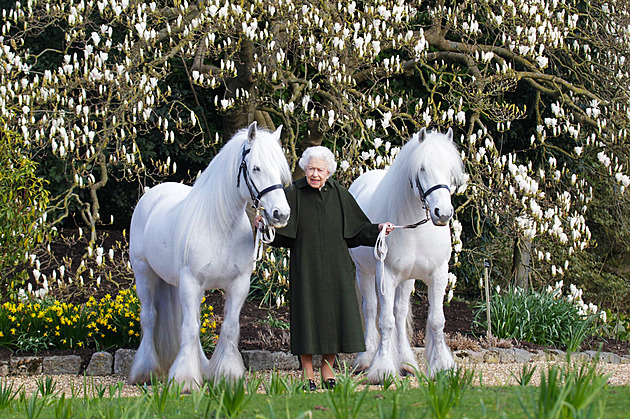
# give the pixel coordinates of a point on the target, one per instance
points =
(380, 248)
(266, 233)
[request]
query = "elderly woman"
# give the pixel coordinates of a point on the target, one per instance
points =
(325, 221)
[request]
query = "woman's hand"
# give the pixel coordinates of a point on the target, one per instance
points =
(389, 227)
(258, 223)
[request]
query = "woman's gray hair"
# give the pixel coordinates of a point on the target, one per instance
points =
(319, 152)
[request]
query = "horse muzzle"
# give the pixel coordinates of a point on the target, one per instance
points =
(441, 217)
(277, 217)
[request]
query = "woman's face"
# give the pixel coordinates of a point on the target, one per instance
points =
(316, 172)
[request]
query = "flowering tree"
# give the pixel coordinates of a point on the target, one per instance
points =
(536, 90)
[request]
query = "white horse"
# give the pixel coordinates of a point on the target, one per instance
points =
(417, 186)
(185, 240)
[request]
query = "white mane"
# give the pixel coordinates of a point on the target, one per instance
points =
(214, 203)
(436, 154)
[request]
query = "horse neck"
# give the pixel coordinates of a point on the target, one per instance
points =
(214, 202)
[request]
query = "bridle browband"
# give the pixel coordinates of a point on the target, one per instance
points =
(254, 193)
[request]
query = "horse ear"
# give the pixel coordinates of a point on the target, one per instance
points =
(251, 132)
(278, 134)
(449, 133)
(422, 134)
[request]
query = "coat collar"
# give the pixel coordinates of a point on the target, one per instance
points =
(302, 183)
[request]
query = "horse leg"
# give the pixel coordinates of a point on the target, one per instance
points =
(186, 370)
(366, 283)
(145, 362)
(226, 361)
(402, 310)
(385, 361)
(437, 352)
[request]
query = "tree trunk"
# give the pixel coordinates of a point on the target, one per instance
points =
(243, 113)
(314, 137)
(520, 262)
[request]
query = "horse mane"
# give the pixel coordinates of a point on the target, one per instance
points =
(436, 153)
(214, 203)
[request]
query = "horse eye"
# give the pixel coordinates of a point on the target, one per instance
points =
(256, 169)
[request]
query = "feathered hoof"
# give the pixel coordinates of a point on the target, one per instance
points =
(187, 385)
(379, 376)
(144, 378)
(441, 366)
(231, 372)
(410, 366)
(142, 375)
(358, 369)
(187, 388)
(362, 362)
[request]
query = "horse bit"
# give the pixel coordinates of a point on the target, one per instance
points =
(265, 233)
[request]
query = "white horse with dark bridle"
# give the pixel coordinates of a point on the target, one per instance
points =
(186, 240)
(416, 188)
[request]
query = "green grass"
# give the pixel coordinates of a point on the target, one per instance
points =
(565, 392)
(478, 402)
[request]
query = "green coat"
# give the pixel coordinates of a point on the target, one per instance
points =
(324, 311)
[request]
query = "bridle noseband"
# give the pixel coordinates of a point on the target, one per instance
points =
(254, 193)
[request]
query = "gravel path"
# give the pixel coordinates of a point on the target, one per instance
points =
(493, 375)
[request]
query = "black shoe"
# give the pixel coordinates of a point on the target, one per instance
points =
(329, 384)
(311, 385)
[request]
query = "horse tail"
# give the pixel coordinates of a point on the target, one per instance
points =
(167, 324)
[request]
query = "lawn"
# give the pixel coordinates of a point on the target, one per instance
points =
(576, 390)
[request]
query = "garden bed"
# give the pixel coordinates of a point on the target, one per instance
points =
(261, 327)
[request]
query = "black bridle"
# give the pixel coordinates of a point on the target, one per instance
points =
(423, 197)
(423, 194)
(254, 193)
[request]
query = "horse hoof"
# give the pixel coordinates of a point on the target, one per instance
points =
(358, 371)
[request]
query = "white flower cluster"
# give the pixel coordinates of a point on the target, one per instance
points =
(537, 211)
(575, 296)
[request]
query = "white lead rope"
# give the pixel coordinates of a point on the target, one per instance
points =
(380, 249)
(264, 234)
(380, 253)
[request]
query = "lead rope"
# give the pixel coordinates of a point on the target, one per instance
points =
(264, 234)
(380, 253)
(380, 248)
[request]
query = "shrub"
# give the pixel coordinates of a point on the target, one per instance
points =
(544, 318)
(23, 202)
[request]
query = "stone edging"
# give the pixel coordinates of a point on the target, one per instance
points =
(105, 364)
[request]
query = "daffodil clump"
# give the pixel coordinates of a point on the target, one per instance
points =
(33, 325)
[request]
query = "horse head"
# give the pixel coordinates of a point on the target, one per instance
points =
(265, 170)
(438, 174)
